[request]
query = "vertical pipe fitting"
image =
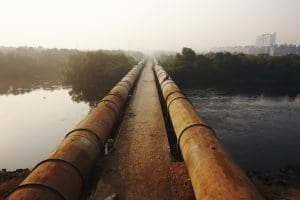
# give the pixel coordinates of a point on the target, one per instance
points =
(63, 174)
(213, 173)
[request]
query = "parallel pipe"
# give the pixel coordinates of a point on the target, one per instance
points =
(213, 173)
(63, 174)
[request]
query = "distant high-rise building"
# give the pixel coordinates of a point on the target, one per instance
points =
(266, 40)
(265, 44)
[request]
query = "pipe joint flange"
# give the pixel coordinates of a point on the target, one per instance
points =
(173, 92)
(37, 186)
(188, 127)
(99, 140)
(166, 82)
(175, 99)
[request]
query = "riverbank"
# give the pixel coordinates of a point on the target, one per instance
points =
(11, 179)
(277, 191)
(286, 187)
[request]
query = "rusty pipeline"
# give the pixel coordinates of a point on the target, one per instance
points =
(214, 174)
(63, 174)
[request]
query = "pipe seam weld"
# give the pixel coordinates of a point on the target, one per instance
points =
(38, 186)
(173, 100)
(116, 112)
(167, 78)
(122, 85)
(173, 92)
(164, 83)
(116, 95)
(160, 73)
(89, 139)
(190, 126)
(64, 162)
(130, 74)
(89, 131)
(126, 81)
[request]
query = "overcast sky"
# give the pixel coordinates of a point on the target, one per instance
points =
(146, 25)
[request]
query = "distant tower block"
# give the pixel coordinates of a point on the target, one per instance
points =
(266, 40)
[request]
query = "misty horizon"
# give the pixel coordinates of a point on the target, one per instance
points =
(146, 26)
(157, 99)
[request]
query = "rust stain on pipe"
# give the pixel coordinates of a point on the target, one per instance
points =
(63, 174)
(213, 173)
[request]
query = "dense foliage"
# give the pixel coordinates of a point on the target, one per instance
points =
(91, 74)
(232, 70)
(25, 66)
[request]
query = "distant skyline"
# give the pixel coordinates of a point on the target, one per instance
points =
(146, 25)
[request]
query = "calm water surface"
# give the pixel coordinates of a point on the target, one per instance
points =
(33, 123)
(262, 133)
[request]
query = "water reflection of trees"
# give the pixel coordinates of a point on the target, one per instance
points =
(91, 97)
(24, 69)
(89, 74)
(22, 87)
(92, 74)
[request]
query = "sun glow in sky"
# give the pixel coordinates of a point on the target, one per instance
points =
(146, 25)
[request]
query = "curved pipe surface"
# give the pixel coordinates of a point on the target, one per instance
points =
(213, 173)
(63, 174)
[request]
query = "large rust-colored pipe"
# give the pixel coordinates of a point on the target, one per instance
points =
(213, 173)
(62, 175)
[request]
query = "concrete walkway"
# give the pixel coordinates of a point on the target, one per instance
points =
(138, 167)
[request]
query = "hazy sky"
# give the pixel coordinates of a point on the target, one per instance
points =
(146, 25)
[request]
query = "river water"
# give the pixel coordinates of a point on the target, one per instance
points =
(261, 132)
(33, 123)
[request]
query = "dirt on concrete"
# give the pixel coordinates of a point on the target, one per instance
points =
(138, 166)
(181, 186)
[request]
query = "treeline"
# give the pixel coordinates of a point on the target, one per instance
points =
(87, 72)
(27, 64)
(91, 74)
(232, 70)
